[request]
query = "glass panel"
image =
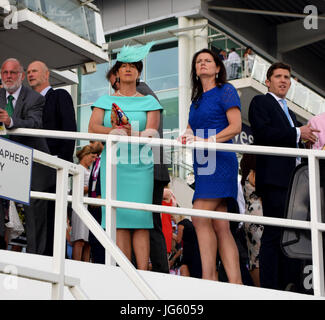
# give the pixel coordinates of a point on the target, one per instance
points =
(90, 18)
(162, 69)
(161, 25)
(67, 14)
(94, 85)
(169, 101)
(126, 34)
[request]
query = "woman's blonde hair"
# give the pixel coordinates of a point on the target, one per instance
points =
(84, 151)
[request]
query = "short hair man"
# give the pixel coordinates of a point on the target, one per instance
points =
(21, 107)
(273, 124)
(158, 250)
(58, 114)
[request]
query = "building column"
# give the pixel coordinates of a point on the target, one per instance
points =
(184, 84)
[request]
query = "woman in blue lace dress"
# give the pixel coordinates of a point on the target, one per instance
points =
(214, 117)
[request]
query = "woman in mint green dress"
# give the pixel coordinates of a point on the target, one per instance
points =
(135, 162)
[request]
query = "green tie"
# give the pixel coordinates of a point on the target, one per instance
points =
(10, 110)
(10, 106)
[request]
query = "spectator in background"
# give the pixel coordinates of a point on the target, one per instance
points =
(234, 63)
(58, 114)
(249, 57)
(253, 207)
(80, 233)
(318, 122)
(97, 251)
(214, 117)
(166, 218)
(222, 55)
(191, 261)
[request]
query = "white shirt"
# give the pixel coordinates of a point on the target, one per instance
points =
(44, 91)
(233, 57)
(14, 101)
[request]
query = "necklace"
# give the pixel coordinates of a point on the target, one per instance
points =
(122, 95)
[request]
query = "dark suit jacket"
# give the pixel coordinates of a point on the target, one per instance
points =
(160, 169)
(28, 114)
(59, 115)
(271, 127)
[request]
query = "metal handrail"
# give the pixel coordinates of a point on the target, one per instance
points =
(315, 224)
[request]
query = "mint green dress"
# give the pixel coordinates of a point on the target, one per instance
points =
(134, 173)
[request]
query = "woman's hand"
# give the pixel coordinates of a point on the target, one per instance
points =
(124, 130)
(113, 119)
(187, 136)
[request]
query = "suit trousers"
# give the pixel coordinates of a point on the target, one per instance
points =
(158, 250)
(276, 269)
(97, 251)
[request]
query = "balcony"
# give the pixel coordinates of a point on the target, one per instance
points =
(63, 34)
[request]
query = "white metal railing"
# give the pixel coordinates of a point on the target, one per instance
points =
(107, 238)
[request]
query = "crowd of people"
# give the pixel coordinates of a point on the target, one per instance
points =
(160, 242)
(235, 65)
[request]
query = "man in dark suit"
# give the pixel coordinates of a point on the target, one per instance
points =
(158, 250)
(21, 107)
(58, 114)
(273, 124)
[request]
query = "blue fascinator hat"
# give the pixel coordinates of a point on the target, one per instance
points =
(130, 54)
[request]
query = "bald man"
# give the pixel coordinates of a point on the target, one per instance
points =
(58, 114)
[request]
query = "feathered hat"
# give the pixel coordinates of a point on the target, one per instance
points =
(134, 54)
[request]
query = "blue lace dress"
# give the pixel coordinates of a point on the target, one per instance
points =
(215, 171)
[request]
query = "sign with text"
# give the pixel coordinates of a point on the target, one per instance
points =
(245, 137)
(15, 171)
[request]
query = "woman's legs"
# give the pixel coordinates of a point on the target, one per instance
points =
(227, 249)
(213, 234)
(123, 241)
(77, 249)
(207, 238)
(86, 252)
(141, 247)
(255, 274)
(184, 271)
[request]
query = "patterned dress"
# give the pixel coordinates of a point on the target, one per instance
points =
(253, 231)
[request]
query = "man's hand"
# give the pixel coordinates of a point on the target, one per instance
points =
(4, 117)
(307, 133)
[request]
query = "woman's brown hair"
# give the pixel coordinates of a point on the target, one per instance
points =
(196, 82)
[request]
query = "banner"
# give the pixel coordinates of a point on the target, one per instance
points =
(15, 171)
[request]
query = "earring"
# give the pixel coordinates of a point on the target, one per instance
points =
(137, 81)
(197, 78)
(216, 75)
(117, 79)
